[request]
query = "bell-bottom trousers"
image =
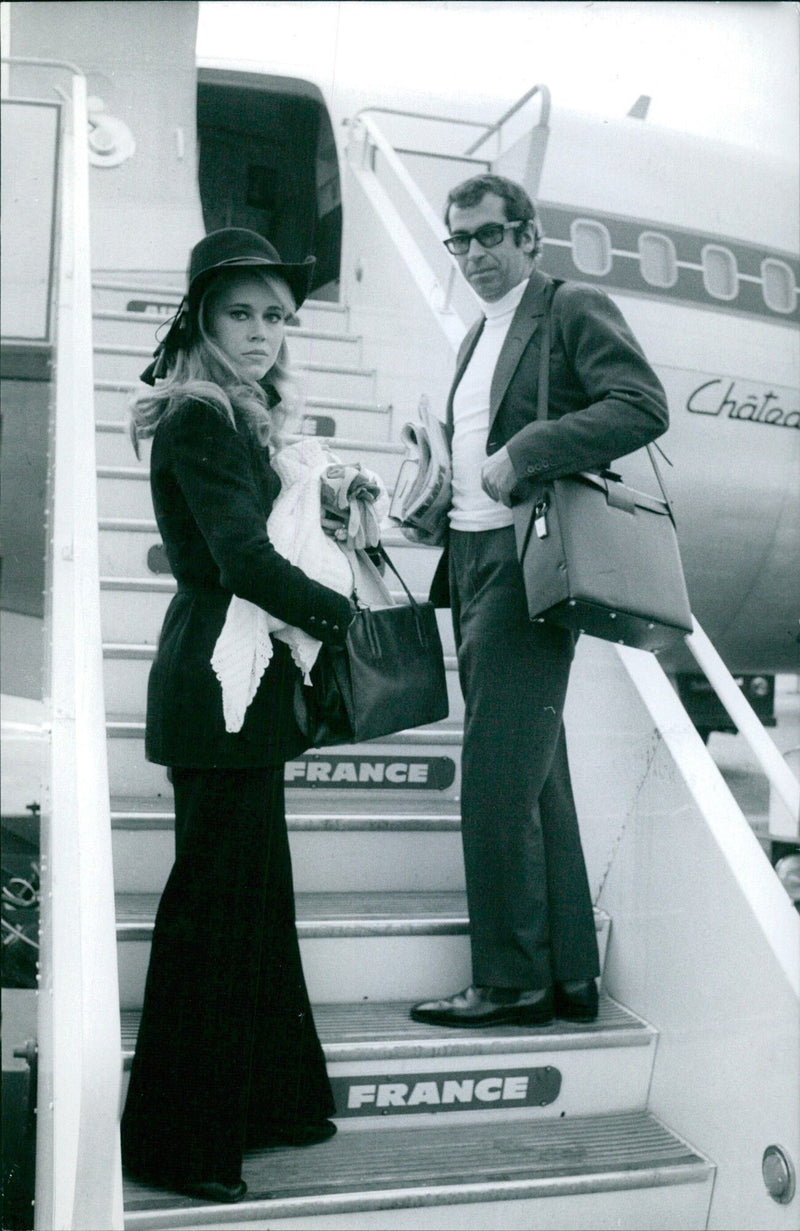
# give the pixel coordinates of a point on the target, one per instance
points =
(530, 911)
(227, 1044)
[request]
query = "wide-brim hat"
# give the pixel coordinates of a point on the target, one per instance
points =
(229, 248)
(235, 246)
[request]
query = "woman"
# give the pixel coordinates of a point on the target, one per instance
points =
(228, 1057)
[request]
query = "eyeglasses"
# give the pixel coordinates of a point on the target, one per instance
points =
(488, 236)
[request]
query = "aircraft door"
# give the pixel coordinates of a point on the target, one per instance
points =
(267, 161)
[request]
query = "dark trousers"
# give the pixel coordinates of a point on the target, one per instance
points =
(530, 911)
(227, 1043)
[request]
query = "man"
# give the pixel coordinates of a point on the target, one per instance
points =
(534, 948)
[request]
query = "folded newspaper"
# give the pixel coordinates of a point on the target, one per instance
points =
(423, 491)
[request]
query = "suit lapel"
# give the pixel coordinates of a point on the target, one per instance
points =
(525, 322)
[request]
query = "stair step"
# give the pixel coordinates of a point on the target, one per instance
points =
(330, 379)
(126, 550)
(434, 752)
(337, 844)
(126, 669)
(356, 946)
(557, 1173)
(308, 812)
(158, 300)
(321, 416)
(384, 1067)
(334, 914)
(132, 609)
(123, 490)
(325, 857)
(322, 345)
(374, 1031)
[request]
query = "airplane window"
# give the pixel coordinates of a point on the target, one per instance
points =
(657, 259)
(591, 246)
(720, 274)
(778, 285)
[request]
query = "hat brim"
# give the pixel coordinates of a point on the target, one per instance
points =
(297, 275)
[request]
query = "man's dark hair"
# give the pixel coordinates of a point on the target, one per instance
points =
(517, 204)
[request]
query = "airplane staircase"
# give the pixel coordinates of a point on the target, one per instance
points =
(505, 1128)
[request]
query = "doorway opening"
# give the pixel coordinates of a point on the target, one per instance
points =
(268, 162)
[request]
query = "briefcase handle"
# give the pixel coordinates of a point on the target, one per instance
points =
(543, 400)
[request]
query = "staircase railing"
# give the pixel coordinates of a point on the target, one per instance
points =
(778, 774)
(425, 228)
(78, 1172)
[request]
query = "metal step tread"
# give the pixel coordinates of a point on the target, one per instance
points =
(333, 914)
(335, 442)
(175, 289)
(444, 1165)
(307, 811)
(292, 331)
(317, 402)
(148, 525)
(139, 352)
(447, 733)
(383, 1030)
(393, 913)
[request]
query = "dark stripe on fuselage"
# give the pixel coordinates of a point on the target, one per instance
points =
(625, 273)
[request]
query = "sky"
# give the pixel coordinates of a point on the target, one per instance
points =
(721, 69)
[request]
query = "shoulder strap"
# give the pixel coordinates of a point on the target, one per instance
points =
(543, 399)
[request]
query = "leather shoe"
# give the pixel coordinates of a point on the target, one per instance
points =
(277, 1134)
(576, 1001)
(488, 1006)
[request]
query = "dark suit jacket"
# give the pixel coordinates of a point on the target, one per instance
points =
(213, 489)
(605, 399)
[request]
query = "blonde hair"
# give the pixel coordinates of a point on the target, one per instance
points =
(203, 372)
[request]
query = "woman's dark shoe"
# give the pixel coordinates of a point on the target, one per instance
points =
(277, 1134)
(576, 1001)
(212, 1190)
(207, 1190)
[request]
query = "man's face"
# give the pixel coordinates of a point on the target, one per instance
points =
(492, 272)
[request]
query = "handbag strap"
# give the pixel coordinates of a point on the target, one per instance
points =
(384, 556)
(543, 400)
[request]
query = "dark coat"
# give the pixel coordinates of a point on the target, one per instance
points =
(213, 489)
(605, 399)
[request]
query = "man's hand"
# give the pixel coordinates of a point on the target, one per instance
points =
(498, 479)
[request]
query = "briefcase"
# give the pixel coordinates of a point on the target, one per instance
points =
(600, 558)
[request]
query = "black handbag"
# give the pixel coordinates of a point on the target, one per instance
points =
(389, 676)
(597, 556)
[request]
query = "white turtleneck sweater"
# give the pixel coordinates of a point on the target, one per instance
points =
(472, 509)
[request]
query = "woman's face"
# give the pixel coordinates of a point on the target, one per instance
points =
(248, 321)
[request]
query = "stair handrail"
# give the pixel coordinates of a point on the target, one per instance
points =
(427, 229)
(744, 717)
(544, 115)
(78, 1170)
